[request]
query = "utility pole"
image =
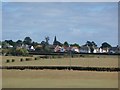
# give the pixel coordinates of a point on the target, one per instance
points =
(70, 57)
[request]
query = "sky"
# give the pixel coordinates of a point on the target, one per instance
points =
(74, 22)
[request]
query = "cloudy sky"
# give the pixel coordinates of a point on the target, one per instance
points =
(75, 22)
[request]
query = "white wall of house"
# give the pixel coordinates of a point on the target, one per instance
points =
(100, 50)
(88, 51)
(32, 48)
(10, 46)
(104, 51)
(76, 50)
(95, 51)
(84, 51)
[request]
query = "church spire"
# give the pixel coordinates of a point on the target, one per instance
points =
(54, 41)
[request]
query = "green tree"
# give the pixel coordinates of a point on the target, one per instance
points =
(34, 44)
(21, 52)
(19, 42)
(0, 43)
(27, 40)
(47, 49)
(47, 40)
(5, 45)
(16, 51)
(43, 43)
(66, 44)
(10, 42)
(76, 45)
(5, 51)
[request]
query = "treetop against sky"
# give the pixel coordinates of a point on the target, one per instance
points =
(75, 22)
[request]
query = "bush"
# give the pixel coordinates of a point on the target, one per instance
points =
(82, 56)
(22, 51)
(28, 59)
(7, 61)
(35, 58)
(17, 52)
(21, 59)
(13, 60)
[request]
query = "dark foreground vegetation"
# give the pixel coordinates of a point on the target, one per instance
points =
(61, 68)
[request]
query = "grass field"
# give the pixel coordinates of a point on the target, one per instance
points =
(60, 78)
(102, 61)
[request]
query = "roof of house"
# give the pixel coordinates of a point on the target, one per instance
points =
(84, 48)
(114, 48)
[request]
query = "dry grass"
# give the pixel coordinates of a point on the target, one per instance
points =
(59, 79)
(103, 61)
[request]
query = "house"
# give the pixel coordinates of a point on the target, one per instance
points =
(114, 50)
(96, 50)
(57, 48)
(100, 50)
(75, 49)
(84, 49)
(104, 50)
(66, 48)
(62, 49)
(10, 46)
(38, 47)
(25, 46)
(32, 48)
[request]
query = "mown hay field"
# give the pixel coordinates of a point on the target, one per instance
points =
(60, 78)
(101, 61)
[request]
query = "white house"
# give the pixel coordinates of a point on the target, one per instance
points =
(10, 46)
(103, 50)
(75, 49)
(114, 50)
(32, 48)
(84, 49)
(96, 50)
(57, 48)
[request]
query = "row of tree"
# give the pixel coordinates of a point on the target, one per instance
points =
(28, 41)
(15, 50)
